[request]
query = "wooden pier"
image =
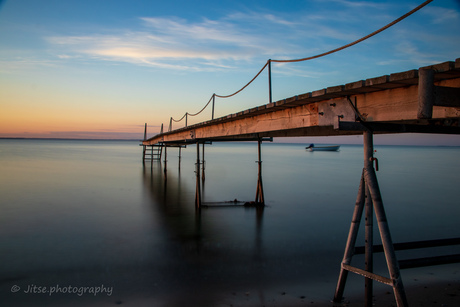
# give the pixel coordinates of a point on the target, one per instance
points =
(424, 100)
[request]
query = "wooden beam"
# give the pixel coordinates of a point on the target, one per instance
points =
(397, 98)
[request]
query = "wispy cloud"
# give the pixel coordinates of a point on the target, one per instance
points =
(169, 42)
(360, 4)
(177, 43)
(233, 40)
(440, 15)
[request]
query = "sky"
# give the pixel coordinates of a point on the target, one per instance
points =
(103, 68)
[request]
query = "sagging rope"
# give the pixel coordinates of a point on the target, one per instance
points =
(312, 57)
(359, 40)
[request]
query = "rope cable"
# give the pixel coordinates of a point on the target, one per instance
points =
(359, 40)
(203, 107)
(260, 71)
(312, 57)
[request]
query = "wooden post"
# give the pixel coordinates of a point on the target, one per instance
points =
(270, 81)
(351, 241)
(260, 188)
(202, 166)
(213, 103)
(372, 183)
(166, 160)
(369, 249)
(425, 93)
(143, 146)
(392, 262)
(180, 151)
(369, 193)
(198, 181)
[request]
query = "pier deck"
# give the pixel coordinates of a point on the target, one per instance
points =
(400, 102)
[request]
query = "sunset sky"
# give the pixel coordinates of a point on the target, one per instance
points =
(101, 69)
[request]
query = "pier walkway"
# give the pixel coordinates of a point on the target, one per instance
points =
(426, 100)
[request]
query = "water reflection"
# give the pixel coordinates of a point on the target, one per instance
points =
(206, 254)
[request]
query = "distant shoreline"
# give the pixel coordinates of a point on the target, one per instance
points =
(276, 143)
(66, 139)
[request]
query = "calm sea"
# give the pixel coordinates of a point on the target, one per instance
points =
(87, 221)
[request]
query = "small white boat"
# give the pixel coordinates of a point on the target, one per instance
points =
(312, 147)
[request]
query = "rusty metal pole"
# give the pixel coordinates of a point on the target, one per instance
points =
(392, 262)
(198, 181)
(351, 241)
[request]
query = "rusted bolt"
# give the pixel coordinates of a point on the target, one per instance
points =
(340, 116)
(333, 104)
(321, 113)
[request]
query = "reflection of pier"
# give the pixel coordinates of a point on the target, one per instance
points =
(426, 100)
(190, 240)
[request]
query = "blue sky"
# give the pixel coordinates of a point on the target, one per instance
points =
(103, 68)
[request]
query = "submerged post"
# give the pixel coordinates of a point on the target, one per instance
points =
(260, 189)
(180, 156)
(198, 181)
(166, 160)
(143, 146)
(202, 166)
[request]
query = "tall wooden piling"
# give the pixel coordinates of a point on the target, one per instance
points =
(198, 181)
(202, 166)
(143, 146)
(369, 248)
(425, 93)
(166, 160)
(351, 241)
(260, 188)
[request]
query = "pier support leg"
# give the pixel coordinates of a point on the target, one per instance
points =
(198, 181)
(368, 195)
(202, 166)
(180, 156)
(166, 160)
(143, 146)
(369, 248)
(260, 187)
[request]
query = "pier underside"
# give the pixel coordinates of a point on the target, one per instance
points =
(425, 100)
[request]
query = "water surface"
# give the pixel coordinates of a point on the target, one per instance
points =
(89, 213)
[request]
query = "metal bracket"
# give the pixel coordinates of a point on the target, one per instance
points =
(333, 110)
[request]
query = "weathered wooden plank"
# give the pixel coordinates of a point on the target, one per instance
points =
(407, 77)
(379, 278)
